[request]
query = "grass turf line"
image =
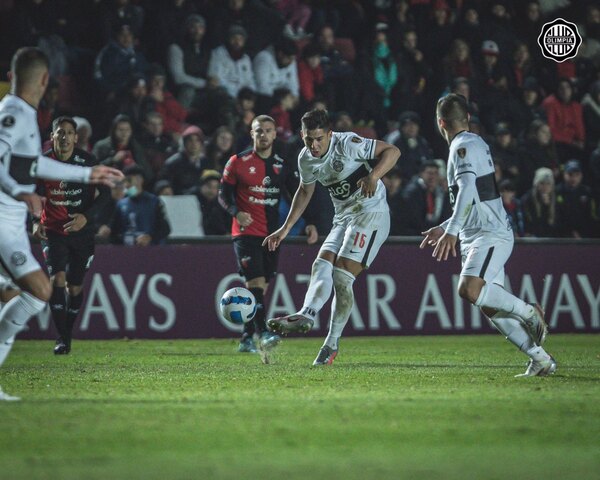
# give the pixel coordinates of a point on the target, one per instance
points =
(395, 407)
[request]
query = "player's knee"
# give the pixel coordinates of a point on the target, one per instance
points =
(42, 289)
(74, 290)
(59, 279)
(469, 291)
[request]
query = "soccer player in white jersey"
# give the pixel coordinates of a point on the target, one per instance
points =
(21, 163)
(486, 237)
(342, 162)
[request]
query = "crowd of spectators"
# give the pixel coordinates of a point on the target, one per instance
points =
(170, 87)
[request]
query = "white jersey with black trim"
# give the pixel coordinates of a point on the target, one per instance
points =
(20, 133)
(21, 159)
(474, 195)
(346, 162)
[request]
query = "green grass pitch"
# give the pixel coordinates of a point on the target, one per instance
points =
(398, 408)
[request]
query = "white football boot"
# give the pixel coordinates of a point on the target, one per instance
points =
(539, 368)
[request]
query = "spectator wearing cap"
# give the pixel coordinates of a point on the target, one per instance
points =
(231, 65)
(263, 24)
(575, 204)
(415, 149)
(120, 149)
(565, 117)
(215, 220)
(172, 112)
(184, 168)
(539, 206)
(512, 205)
(591, 115)
(528, 107)
(505, 153)
(117, 62)
(139, 219)
(163, 188)
(187, 60)
(425, 203)
(276, 67)
(123, 12)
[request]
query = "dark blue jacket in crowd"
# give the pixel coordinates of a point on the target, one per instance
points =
(135, 216)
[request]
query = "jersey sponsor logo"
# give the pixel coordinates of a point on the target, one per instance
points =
(18, 258)
(8, 121)
(462, 152)
(259, 189)
(337, 165)
(559, 40)
(263, 201)
(340, 190)
(356, 140)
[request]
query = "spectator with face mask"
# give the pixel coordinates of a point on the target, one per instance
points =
(139, 219)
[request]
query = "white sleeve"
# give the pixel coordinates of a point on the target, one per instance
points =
(177, 71)
(50, 169)
(359, 148)
(8, 184)
(306, 175)
(467, 191)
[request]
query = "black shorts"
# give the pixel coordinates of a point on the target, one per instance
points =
(253, 259)
(72, 254)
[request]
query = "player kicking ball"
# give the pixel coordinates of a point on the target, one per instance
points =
(486, 238)
(342, 163)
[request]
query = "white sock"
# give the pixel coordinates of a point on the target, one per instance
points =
(512, 328)
(538, 353)
(319, 289)
(341, 308)
(14, 316)
(494, 296)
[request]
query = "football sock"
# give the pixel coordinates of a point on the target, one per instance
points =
(319, 289)
(537, 353)
(14, 316)
(341, 307)
(512, 328)
(259, 316)
(58, 307)
(74, 305)
(494, 296)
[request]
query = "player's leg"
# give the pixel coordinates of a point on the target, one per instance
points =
(8, 290)
(483, 261)
(362, 241)
(319, 288)
(81, 255)
(56, 255)
(491, 268)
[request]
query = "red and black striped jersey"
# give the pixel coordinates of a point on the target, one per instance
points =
(258, 185)
(64, 198)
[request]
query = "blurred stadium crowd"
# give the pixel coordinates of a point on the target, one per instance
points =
(171, 86)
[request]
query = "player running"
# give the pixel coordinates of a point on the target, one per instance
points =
(66, 230)
(21, 163)
(486, 237)
(342, 162)
(251, 187)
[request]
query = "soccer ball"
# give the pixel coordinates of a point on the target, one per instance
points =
(238, 305)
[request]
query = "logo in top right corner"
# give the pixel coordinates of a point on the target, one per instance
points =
(559, 40)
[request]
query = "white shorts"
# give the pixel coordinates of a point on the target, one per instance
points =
(15, 249)
(358, 237)
(485, 258)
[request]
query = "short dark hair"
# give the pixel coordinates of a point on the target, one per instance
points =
(263, 118)
(134, 169)
(428, 164)
(280, 93)
(453, 108)
(315, 119)
(24, 63)
(63, 119)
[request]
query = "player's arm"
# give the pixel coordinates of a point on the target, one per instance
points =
(299, 203)
(227, 194)
(388, 156)
(467, 190)
(50, 169)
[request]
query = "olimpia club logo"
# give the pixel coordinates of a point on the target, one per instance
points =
(559, 40)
